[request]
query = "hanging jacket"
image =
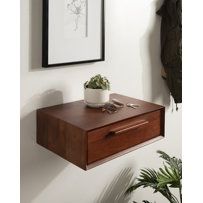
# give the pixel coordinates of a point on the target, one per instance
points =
(171, 46)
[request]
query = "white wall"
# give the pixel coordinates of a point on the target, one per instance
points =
(133, 66)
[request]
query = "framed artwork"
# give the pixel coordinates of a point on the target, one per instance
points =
(73, 32)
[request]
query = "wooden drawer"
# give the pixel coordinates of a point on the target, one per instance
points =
(111, 139)
(88, 137)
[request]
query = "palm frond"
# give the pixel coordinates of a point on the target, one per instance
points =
(168, 176)
(148, 178)
(173, 162)
(160, 181)
(172, 173)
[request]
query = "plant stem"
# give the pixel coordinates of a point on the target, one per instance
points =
(180, 192)
(171, 198)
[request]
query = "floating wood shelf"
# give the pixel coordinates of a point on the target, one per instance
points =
(88, 137)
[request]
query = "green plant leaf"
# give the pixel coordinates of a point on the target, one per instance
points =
(97, 82)
(168, 176)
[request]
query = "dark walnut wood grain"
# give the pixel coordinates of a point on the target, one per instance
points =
(88, 137)
(102, 142)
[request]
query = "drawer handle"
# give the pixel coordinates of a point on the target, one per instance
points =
(127, 128)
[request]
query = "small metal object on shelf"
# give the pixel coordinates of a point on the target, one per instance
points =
(113, 106)
(118, 103)
(134, 106)
(110, 108)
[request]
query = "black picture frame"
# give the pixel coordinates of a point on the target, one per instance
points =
(45, 39)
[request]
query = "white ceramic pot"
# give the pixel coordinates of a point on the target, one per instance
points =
(96, 97)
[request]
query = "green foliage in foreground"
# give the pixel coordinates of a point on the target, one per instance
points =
(169, 176)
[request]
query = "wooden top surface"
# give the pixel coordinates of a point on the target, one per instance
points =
(86, 118)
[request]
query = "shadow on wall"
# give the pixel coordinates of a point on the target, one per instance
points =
(156, 90)
(114, 193)
(35, 36)
(38, 166)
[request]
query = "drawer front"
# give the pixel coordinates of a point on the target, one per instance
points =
(106, 141)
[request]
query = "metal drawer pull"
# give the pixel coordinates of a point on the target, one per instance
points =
(128, 128)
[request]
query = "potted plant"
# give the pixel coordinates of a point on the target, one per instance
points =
(169, 176)
(96, 91)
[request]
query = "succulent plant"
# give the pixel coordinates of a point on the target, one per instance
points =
(98, 82)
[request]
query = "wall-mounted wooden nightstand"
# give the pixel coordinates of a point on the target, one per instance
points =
(88, 137)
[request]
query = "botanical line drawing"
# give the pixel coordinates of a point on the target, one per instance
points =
(78, 9)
